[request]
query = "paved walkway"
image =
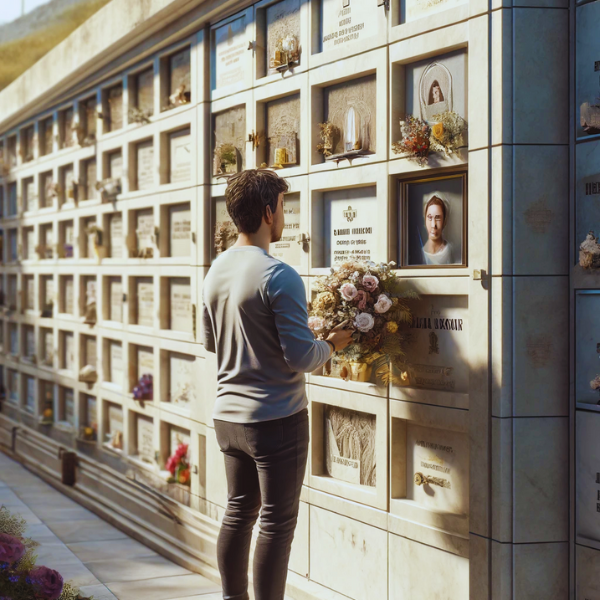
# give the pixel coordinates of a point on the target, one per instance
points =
(100, 559)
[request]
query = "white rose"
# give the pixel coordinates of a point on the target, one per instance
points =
(316, 323)
(348, 291)
(364, 322)
(383, 304)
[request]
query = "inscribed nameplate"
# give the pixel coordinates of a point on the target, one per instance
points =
(116, 299)
(180, 144)
(346, 22)
(180, 227)
(115, 108)
(116, 363)
(231, 46)
(145, 439)
(69, 351)
(144, 229)
(145, 362)
(287, 248)
(145, 165)
(145, 91)
(179, 67)
(182, 389)
(180, 295)
(145, 299)
(116, 236)
(68, 295)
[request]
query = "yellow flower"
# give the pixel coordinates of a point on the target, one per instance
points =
(323, 301)
(392, 326)
(438, 131)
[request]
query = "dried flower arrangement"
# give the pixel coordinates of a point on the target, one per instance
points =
(327, 131)
(178, 466)
(589, 252)
(226, 234)
(139, 116)
(595, 385)
(416, 140)
(372, 298)
(589, 117)
(179, 97)
(109, 189)
(225, 160)
(20, 578)
(447, 133)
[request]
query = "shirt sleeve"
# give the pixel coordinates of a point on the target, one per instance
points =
(208, 336)
(287, 299)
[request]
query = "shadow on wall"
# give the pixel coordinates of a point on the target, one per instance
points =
(24, 41)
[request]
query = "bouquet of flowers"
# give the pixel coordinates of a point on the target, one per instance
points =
(179, 466)
(20, 578)
(144, 390)
(415, 140)
(595, 384)
(447, 134)
(589, 252)
(372, 298)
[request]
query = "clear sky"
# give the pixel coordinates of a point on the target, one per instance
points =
(11, 9)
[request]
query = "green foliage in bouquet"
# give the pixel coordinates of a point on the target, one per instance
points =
(20, 578)
(374, 300)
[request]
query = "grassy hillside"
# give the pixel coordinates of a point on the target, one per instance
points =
(17, 55)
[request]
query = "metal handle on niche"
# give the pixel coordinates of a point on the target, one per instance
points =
(303, 238)
(421, 479)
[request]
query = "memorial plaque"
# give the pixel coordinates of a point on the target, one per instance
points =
(145, 301)
(436, 85)
(437, 347)
(13, 386)
(587, 463)
(587, 346)
(90, 356)
(115, 229)
(30, 292)
(231, 46)
(145, 362)
(67, 120)
(13, 339)
(115, 291)
(68, 295)
(115, 419)
(29, 195)
(91, 177)
(442, 457)
(587, 65)
(230, 141)
(283, 23)
(350, 438)
(145, 165)
(179, 71)
(114, 98)
(115, 354)
(68, 351)
(180, 156)
(180, 228)
(29, 394)
(68, 406)
(115, 165)
(287, 248)
(182, 388)
(29, 341)
(46, 136)
(145, 91)
(283, 127)
(350, 225)
(351, 108)
(144, 230)
(46, 192)
(48, 346)
(30, 243)
(145, 439)
(178, 436)
(346, 22)
(180, 295)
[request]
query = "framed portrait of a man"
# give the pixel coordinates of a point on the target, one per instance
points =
(433, 219)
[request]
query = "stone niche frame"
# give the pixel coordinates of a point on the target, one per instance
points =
(135, 148)
(174, 128)
(115, 245)
(133, 298)
(133, 89)
(164, 61)
(231, 80)
(169, 208)
(110, 120)
(292, 87)
(344, 71)
(107, 426)
(401, 67)
(262, 58)
(134, 456)
(320, 397)
(135, 370)
(246, 153)
(408, 420)
(166, 283)
(372, 36)
(106, 367)
(366, 177)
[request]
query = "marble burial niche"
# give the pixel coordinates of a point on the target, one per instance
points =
(113, 299)
(89, 237)
(12, 293)
(282, 118)
(29, 195)
(229, 141)
(67, 185)
(113, 427)
(143, 165)
(230, 47)
(176, 79)
(177, 309)
(141, 364)
(180, 379)
(278, 37)
(29, 243)
(66, 121)
(66, 407)
(179, 242)
(112, 108)
(587, 477)
(288, 248)
(225, 232)
(345, 23)
(587, 70)
(47, 346)
(88, 414)
(88, 286)
(13, 340)
(350, 107)
(113, 164)
(28, 336)
(142, 305)
(89, 175)
(87, 121)
(179, 147)
(47, 192)
(45, 248)
(114, 226)
(29, 292)
(67, 350)
(113, 363)
(67, 295)
(142, 234)
(141, 94)
(587, 190)
(587, 347)
(88, 359)
(144, 439)
(46, 135)
(30, 393)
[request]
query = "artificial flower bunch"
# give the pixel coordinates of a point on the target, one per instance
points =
(589, 252)
(447, 133)
(415, 142)
(178, 465)
(144, 390)
(372, 299)
(595, 384)
(20, 578)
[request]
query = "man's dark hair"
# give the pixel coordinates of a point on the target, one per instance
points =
(249, 193)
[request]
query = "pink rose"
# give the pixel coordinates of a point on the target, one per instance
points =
(316, 323)
(364, 322)
(383, 304)
(348, 291)
(11, 549)
(48, 582)
(362, 299)
(370, 283)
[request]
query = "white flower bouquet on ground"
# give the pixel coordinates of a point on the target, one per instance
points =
(373, 299)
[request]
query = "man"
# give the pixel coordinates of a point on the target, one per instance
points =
(256, 321)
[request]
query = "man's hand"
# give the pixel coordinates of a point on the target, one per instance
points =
(341, 336)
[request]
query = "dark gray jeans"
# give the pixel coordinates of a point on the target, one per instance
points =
(265, 464)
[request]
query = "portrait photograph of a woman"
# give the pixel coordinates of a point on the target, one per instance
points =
(433, 221)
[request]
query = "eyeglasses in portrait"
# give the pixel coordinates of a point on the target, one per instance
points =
(434, 222)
